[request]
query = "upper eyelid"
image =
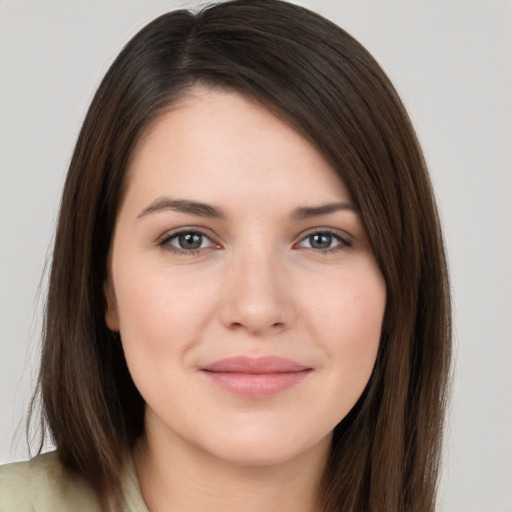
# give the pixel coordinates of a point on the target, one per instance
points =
(167, 235)
(171, 236)
(343, 235)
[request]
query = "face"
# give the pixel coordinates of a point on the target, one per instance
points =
(243, 284)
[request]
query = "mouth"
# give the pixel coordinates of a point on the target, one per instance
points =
(260, 377)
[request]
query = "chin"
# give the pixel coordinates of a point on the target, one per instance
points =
(260, 448)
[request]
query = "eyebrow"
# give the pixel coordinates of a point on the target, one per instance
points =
(207, 210)
(305, 212)
(182, 206)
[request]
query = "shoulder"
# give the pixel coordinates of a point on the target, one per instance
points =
(43, 484)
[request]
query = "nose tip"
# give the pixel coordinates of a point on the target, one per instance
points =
(256, 301)
(257, 323)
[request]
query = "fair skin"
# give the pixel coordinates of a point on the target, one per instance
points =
(251, 321)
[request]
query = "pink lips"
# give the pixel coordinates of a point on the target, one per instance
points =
(255, 377)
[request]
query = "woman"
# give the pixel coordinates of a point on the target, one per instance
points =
(248, 303)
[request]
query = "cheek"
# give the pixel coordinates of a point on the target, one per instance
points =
(162, 312)
(349, 324)
(161, 317)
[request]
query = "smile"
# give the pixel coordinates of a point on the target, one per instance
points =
(255, 377)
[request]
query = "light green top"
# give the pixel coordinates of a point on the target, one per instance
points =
(44, 485)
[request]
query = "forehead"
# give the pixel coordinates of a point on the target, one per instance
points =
(213, 142)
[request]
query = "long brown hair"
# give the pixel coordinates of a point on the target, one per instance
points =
(325, 85)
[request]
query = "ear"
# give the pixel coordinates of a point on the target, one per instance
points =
(111, 315)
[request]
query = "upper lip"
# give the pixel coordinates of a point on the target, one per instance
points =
(256, 365)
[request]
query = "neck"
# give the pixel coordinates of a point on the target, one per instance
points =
(180, 477)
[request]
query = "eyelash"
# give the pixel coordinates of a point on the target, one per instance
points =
(165, 242)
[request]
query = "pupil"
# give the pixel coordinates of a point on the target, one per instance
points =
(321, 241)
(190, 240)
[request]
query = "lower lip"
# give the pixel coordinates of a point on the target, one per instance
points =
(256, 385)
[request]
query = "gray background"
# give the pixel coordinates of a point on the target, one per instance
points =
(451, 63)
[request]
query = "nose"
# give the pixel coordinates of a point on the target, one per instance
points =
(257, 299)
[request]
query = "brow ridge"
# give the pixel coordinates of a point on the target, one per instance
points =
(304, 212)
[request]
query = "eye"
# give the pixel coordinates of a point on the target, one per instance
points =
(324, 241)
(186, 242)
